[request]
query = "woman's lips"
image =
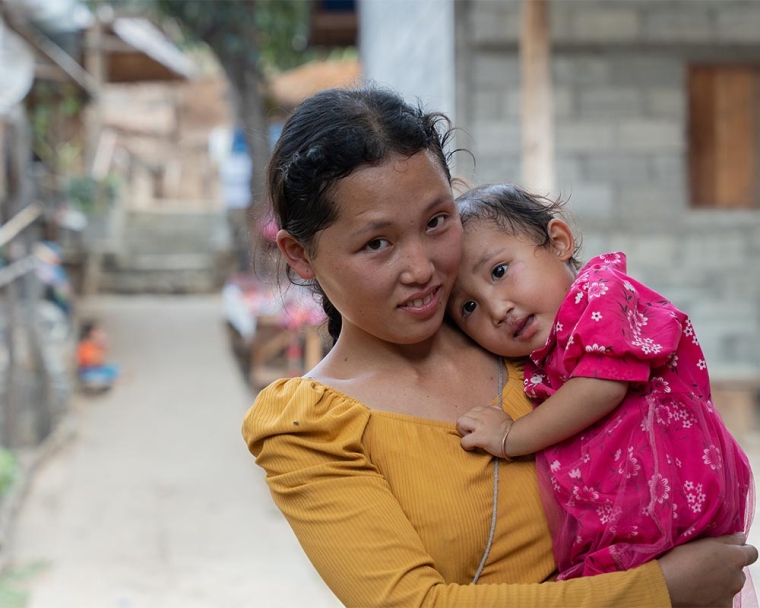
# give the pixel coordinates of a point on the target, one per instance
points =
(419, 302)
(423, 302)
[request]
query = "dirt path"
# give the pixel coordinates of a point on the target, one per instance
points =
(156, 502)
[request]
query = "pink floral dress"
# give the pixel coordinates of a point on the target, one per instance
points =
(659, 470)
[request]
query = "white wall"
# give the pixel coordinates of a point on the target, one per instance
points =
(409, 46)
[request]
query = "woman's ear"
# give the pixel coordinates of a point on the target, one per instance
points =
(295, 254)
(562, 240)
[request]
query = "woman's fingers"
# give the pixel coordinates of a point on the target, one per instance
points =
(751, 553)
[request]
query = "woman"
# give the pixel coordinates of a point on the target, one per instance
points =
(362, 455)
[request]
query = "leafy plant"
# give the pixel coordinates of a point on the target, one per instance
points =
(91, 196)
(14, 583)
(53, 112)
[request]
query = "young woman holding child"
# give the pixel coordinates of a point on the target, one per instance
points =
(633, 456)
(362, 455)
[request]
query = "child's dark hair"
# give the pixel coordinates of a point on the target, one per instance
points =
(326, 138)
(514, 211)
(86, 329)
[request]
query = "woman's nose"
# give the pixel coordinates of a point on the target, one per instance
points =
(417, 265)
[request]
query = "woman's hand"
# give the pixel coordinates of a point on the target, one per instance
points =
(707, 572)
(484, 427)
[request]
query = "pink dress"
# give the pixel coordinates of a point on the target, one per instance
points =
(659, 470)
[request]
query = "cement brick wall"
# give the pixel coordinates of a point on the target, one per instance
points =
(619, 75)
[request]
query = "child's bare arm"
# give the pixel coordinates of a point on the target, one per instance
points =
(578, 404)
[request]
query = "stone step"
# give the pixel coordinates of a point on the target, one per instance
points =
(184, 281)
(168, 262)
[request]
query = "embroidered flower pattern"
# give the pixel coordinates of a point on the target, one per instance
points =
(596, 316)
(659, 385)
(658, 486)
(585, 494)
(630, 466)
(712, 458)
(688, 331)
(608, 513)
(695, 497)
(610, 258)
(596, 290)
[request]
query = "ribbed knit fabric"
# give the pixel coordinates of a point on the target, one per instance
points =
(393, 513)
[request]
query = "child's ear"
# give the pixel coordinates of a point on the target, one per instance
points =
(295, 254)
(562, 240)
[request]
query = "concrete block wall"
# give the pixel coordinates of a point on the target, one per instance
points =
(709, 267)
(621, 118)
(619, 75)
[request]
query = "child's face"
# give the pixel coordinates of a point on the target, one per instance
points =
(509, 289)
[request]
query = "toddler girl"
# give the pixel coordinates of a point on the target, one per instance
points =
(632, 456)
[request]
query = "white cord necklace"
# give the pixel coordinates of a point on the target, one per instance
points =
(475, 578)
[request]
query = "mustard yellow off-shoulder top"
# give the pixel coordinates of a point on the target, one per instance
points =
(392, 512)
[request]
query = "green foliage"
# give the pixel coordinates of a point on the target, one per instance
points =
(91, 196)
(264, 35)
(283, 32)
(8, 470)
(14, 584)
(52, 111)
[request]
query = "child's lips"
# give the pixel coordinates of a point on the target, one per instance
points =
(520, 325)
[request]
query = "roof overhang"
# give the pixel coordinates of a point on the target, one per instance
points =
(138, 51)
(52, 62)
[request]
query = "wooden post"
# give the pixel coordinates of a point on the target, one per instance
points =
(537, 98)
(95, 62)
(3, 161)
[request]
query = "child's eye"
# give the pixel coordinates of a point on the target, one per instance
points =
(499, 271)
(437, 221)
(377, 244)
(468, 308)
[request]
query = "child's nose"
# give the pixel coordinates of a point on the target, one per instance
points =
(499, 311)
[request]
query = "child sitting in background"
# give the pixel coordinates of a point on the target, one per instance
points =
(632, 457)
(92, 368)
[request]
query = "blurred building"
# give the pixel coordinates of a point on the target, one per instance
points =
(334, 23)
(657, 133)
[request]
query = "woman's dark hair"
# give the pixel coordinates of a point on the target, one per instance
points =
(514, 211)
(326, 138)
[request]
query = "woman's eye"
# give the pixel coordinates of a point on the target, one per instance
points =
(377, 244)
(468, 308)
(437, 221)
(499, 271)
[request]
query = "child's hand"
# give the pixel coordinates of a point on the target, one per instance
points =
(484, 427)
